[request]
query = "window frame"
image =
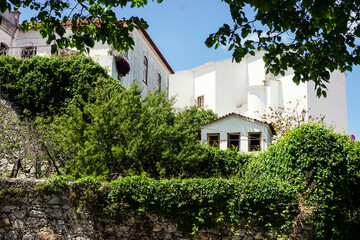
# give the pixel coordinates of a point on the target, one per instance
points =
(200, 101)
(145, 70)
(158, 80)
(228, 140)
(28, 48)
(212, 135)
(4, 49)
(250, 149)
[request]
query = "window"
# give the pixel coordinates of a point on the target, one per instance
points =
(200, 101)
(145, 70)
(159, 82)
(234, 141)
(3, 49)
(254, 141)
(28, 52)
(213, 139)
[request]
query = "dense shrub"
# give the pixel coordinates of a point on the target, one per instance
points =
(324, 168)
(118, 133)
(207, 161)
(306, 185)
(44, 86)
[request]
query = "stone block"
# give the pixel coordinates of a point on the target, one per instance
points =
(157, 228)
(36, 214)
(57, 214)
(12, 235)
(153, 217)
(4, 222)
(28, 236)
(258, 236)
(18, 224)
(7, 209)
(170, 228)
(19, 214)
(54, 200)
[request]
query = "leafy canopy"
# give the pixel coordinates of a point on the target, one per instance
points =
(90, 21)
(115, 132)
(44, 86)
(313, 37)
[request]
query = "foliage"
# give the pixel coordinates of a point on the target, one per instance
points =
(304, 186)
(90, 21)
(313, 38)
(195, 204)
(116, 132)
(193, 117)
(287, 118)
(44, 86)
(324, 169)
(208, 161)
(56, 184)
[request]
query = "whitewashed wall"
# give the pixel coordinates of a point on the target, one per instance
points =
(245, 88)
(155, 65)
(334, 106)
(181, 86)
(231, 86)
(205, 85)
(235, 124)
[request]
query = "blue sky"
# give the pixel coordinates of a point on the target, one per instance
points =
(180, 27)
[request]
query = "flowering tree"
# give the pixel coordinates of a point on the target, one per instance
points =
(287, 118)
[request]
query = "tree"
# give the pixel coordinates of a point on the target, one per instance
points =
(90, 21)
(313, 37)
(287, 118)
(117, 133)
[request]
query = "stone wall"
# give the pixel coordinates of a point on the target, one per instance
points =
(28, 213)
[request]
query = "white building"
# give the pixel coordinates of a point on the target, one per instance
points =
(147, 64)
(246, 89)
(236, 131)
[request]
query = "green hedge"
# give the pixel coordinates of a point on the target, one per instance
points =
(195, 204)
(324, 168)
(44, 86)
(307, 184)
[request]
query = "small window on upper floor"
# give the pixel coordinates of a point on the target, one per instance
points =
(28, 52)
(3, 49)
(145, 70)
(254, 139)
(159, 82)
(200, 101)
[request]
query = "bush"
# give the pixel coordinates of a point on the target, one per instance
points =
(324, 168)
(207, 162)
(44, 86)
(118, 133)
(304, 186)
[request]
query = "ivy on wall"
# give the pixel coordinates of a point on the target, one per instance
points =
(307, 184)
